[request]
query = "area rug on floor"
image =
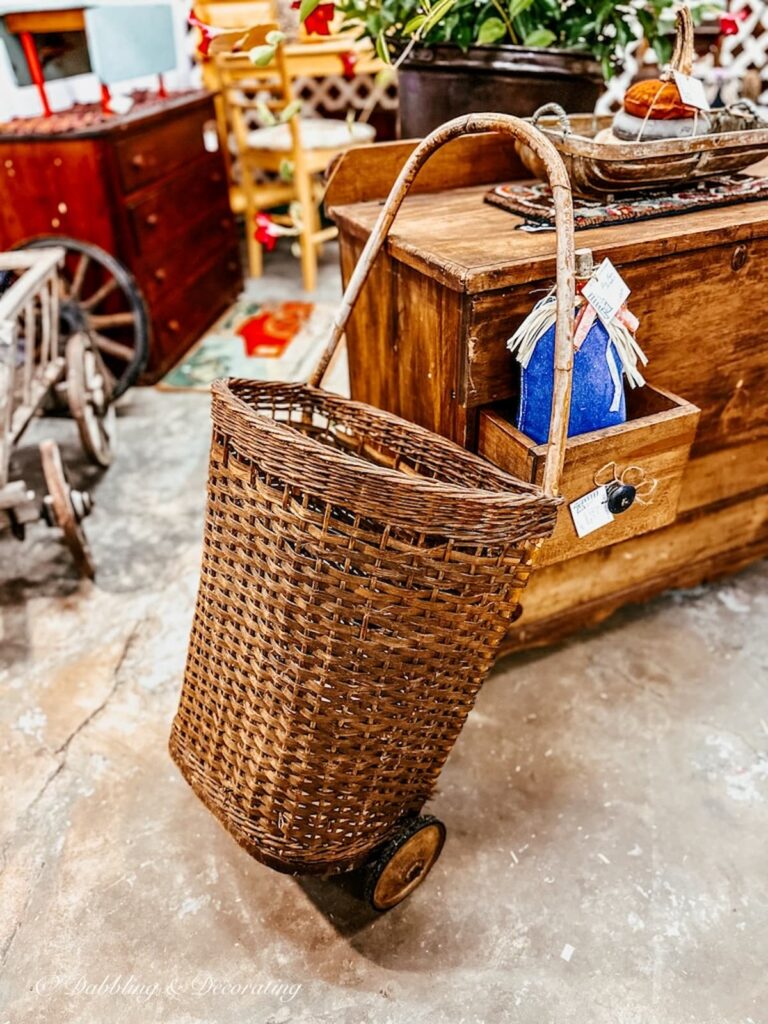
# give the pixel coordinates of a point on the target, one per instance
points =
(260, 341)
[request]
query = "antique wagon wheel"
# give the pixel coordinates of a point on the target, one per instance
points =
(66, 508)
(99, 296)
(88, 398)
(403, 864)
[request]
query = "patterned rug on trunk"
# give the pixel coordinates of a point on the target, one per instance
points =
(533, 201)
(259, 341)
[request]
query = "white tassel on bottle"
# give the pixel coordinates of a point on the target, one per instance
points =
(523, 342)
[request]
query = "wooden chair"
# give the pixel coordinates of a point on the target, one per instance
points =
(229, 14)
(307, 144)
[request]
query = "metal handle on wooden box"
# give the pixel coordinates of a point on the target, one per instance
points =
(474, 124)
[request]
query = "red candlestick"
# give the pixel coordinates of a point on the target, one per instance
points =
(33, 63)
(161, 88)
(105, 99)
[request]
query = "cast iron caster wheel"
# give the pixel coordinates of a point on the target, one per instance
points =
(88, 398)
(403, 864)
(66, 508)
(99, 296)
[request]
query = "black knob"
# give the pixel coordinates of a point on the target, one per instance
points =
(620, 497)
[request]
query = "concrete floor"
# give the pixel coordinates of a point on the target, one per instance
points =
(606, 804)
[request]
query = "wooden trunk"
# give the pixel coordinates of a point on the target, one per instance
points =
(428, 342)
(144, 188)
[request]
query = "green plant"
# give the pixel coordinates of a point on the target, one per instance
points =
(599, 27)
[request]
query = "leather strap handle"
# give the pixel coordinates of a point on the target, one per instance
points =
(474, 124)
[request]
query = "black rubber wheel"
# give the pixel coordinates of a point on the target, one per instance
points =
(99, 295)
(402, 865)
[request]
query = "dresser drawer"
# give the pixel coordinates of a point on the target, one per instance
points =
(179, 264)
(650, 450)
(147, 155)
(185, 313)
(175, 207)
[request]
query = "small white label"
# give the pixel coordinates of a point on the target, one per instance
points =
(120, 104)
(590, 512)
(691, 91)
(210, 137)
(606, 291)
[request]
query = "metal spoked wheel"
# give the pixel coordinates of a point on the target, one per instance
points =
(403, 864)
(66, 508)
(88, 398)
(99, 296)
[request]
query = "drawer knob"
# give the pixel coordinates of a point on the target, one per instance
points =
(739, 257)
(216, 177)
(160, 275)
(152, 219)
(225, 222)
(620, 497)
(174, 326)
(138, 160)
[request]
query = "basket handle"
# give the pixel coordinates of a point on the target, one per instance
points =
(474, 124)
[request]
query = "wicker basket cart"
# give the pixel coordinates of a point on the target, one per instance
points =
(358, 575)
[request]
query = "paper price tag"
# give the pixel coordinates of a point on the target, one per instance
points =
(606, 291)
(691, 91)
(121, 104)
(590, 512)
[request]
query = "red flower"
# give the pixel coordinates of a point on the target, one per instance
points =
(318, 23)
(348, 63)
(207, 32)
(729, 23)
(266, 232)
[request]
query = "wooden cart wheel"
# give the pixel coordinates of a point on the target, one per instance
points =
(403, 864)
(88, 399)
(66, 508)
(98, 295)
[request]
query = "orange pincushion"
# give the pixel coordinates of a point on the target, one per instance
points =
(664, 97)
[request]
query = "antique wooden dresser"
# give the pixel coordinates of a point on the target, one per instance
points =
(143, 187)
(428, 341)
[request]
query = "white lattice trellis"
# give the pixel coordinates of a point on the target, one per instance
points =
(748, 49)
(336, 94)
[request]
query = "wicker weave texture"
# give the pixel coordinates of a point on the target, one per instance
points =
(358, 574)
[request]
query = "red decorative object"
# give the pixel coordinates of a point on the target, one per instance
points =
(266, 232)
(729, 23)
(268, 333)
(207, 32)
(348, 63)
(106, 99)
(36, 72)
(319, 21)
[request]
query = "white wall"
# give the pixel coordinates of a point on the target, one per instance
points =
(18, 101)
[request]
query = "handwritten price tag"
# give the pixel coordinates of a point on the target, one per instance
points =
(590, 512)
(606, 291)
(691, 91)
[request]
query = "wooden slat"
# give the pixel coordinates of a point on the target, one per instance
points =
(368, 173)
(580, 592)
(70, 20)
(724, 474)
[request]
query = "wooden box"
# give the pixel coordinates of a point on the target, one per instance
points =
(143, 187)
(655, 441)
(428, 342)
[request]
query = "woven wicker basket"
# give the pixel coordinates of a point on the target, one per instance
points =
(358, 575)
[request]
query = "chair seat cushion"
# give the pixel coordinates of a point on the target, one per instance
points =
(316, 133)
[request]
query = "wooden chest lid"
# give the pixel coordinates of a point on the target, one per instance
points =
(447, 231)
